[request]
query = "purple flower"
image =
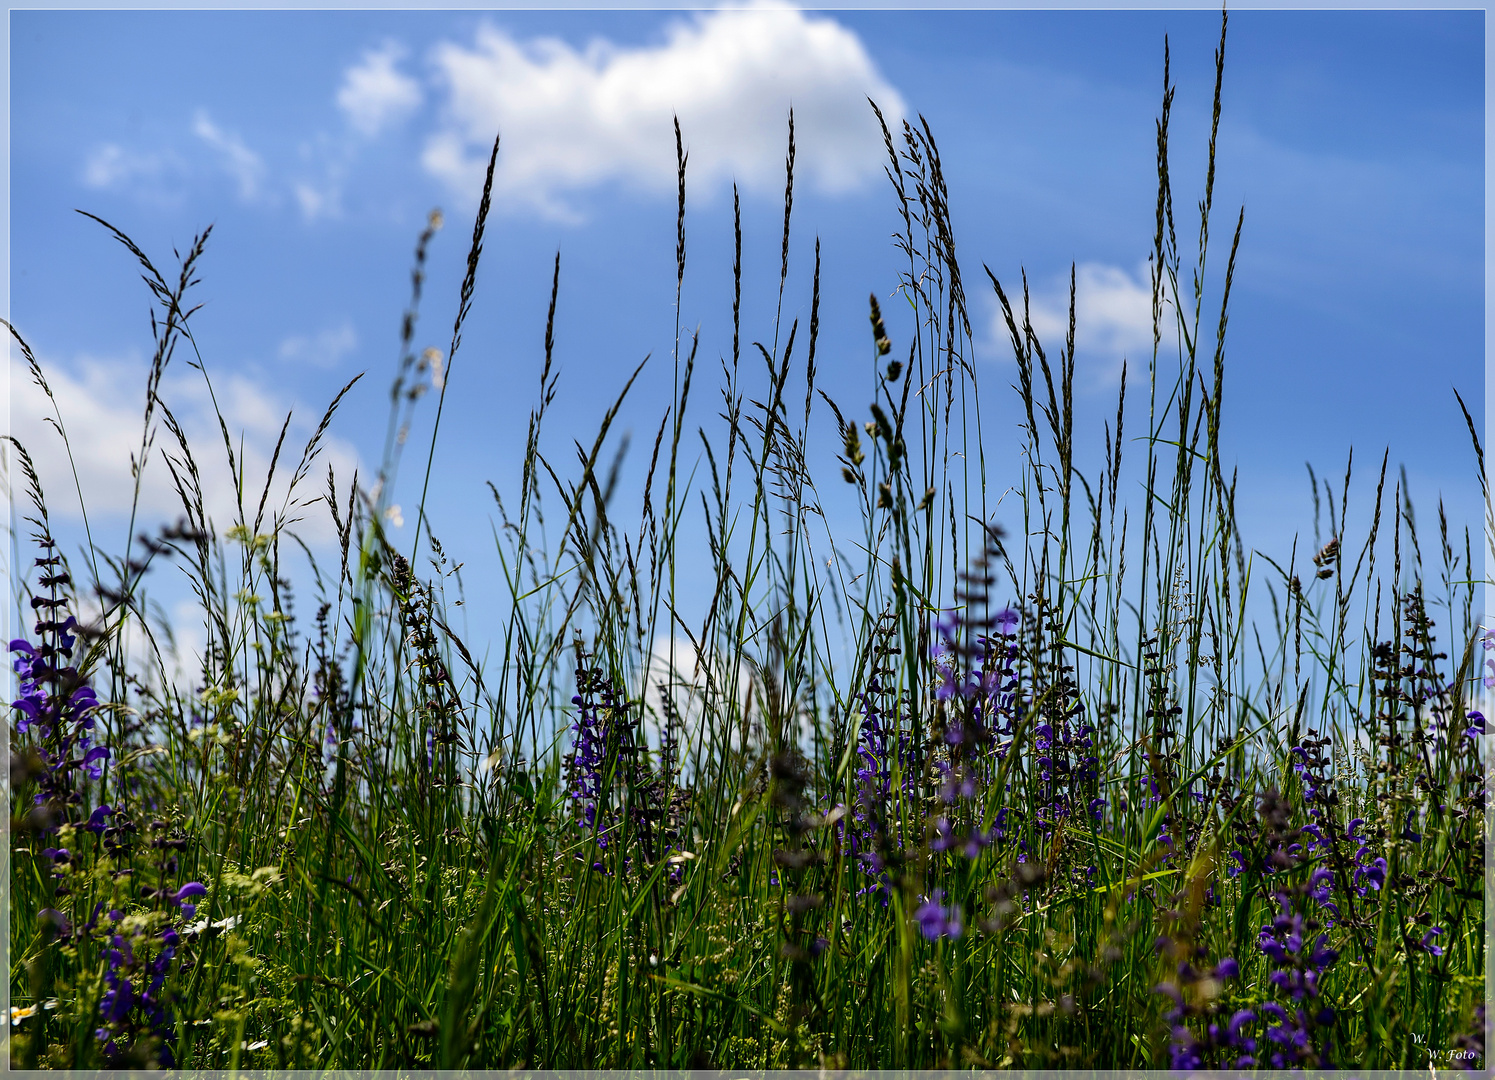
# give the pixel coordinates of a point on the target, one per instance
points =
(1427, 946)
(1477, 724)
(57, 920)
(937, 921)
(90, 760)
(96, 819)
(1238, 1021)
(191, 890)
(1373, 873)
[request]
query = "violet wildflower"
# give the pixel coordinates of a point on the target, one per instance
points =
(883, 750)
(937, 920)
(1220, 1046)
(1427, 945)
(1301, 1033)
(594, 752)
(189, 891)
(1477, 724)
(1370, 871)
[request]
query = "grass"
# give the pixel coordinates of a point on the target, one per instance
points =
(910, 791)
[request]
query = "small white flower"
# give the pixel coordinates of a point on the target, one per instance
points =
(17, 1014)
(394, 517)
(222, 924)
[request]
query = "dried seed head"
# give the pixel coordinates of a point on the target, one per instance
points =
(879, 333)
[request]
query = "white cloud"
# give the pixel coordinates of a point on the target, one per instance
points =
(375, 93)
(690, 678)
(325, 349)
(315, 203)
(1113, 315)
(242, 163)
(1113, 310)
(102, 406)
(112, 164)
(575, 118)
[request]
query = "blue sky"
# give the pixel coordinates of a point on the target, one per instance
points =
(316, 143)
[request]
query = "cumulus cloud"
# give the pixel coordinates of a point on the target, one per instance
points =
(676, 673)
(375, 93)
(102, 406)
(1113, 314)
(573, 118)
(324, 349)
(240, 162)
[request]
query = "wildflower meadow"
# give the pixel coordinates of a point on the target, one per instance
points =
(1073, 778)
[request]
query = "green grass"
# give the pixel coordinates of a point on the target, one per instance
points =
(757, 857)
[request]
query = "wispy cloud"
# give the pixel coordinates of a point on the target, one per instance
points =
(111, 164)
(102, 411)
(316, 202)
(375, 93)
(324, 349)
(574, 118)
(240, 162)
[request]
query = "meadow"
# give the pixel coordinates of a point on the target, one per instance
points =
(1080, 781)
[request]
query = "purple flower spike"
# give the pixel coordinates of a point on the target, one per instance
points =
(1227, 969)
